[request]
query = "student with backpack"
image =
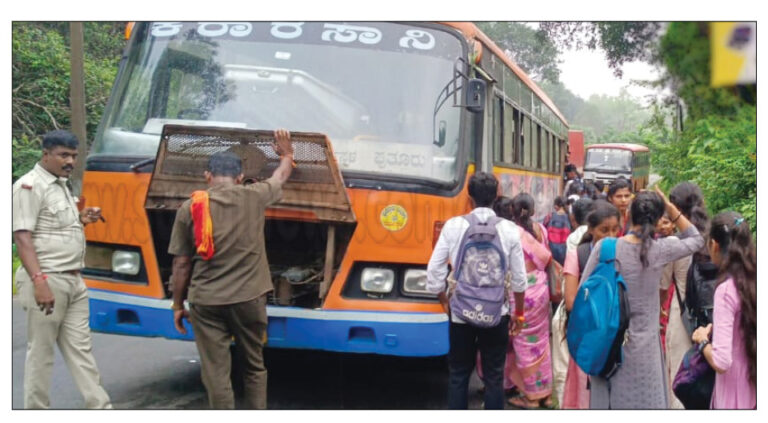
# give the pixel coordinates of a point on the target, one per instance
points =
(560, 356)
(529, 365)
(687, 197)
(730, 343)
(640, 381)
(558, 225)
(487, 259)
(603, 222)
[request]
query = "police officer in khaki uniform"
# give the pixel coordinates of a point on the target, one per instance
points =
(48, 232)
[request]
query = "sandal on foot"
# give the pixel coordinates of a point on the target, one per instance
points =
(547, 403)
(523, 402)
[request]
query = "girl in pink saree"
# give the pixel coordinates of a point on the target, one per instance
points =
(529, 364)
(529, 361)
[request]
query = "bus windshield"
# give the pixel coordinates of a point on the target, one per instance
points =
(608, 159)
(372, 88)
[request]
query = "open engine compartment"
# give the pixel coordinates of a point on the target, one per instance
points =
(306, 233)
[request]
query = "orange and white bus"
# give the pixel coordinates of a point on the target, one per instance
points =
(411, 110)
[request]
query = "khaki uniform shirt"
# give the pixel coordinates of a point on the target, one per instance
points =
(44, 205)
(238, 270)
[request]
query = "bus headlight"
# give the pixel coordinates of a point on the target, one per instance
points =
(589, 176)
(126, 262)
(415, 282)
(377, 280)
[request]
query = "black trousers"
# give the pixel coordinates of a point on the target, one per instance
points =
(465, 340)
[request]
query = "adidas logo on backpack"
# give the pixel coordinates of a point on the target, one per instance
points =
(600, 317)
(480, 274)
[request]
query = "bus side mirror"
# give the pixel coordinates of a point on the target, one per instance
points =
(474, 95)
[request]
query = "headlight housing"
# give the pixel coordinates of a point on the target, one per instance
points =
(415, 282)
(377, 280)
(126, 262)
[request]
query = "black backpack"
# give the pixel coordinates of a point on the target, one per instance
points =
(699, 292)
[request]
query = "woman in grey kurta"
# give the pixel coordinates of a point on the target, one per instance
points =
(641, 381)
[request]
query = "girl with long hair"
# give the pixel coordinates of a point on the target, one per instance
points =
(620, 195)
(687, 197)
(730, 343)
(529, 362)
(641, 382)
(602, 222)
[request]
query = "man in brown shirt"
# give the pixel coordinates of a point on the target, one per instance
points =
(227, 288)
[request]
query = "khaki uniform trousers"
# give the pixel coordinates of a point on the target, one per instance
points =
(68, 327)
(214, 328)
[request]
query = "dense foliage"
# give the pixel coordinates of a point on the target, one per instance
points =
(718, 147)
(40, 78)
(530, 49)
(718, 153)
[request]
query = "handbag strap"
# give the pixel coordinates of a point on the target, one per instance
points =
(677, 294)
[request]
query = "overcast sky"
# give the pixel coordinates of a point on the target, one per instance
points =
(586, 73)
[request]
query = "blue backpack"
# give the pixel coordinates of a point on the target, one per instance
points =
(600, 317)
(480, 274)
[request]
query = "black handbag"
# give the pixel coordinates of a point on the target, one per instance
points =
(694, 381)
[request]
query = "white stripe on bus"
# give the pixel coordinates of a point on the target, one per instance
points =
(276, 311)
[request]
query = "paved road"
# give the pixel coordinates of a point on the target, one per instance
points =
(151, 373)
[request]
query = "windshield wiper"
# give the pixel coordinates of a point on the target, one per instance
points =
(141, 163)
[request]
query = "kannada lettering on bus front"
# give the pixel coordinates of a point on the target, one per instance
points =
(403, 159)
(387, 36)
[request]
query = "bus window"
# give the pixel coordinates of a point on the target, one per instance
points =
(553, 153)
(545, 151)
(516, 137)
(529, 139)
(608, 159)
(304, 85)
(498, 105)
(537, 149)
(509, 135)
(521, 153)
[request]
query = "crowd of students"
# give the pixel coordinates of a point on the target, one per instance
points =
(691, 288)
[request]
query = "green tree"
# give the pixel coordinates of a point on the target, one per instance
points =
(622, 42)
(528, 48)
(40, 80)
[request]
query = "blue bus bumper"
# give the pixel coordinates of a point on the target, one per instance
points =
(389, 333)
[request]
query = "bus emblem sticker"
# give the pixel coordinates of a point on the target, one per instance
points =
(394, 217)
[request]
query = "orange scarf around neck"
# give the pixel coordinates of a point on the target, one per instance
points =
(203, 225)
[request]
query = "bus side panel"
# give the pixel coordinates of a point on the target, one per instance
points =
(542, 187)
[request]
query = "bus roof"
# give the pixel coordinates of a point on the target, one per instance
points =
(470, 31)
(620, 146)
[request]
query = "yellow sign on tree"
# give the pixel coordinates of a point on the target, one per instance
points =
(734, 53)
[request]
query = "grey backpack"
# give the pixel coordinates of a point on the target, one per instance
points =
(480, 273)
